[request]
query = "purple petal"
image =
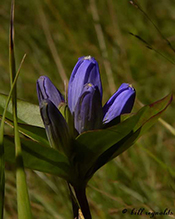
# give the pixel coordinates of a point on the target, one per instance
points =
(46, 90)
(88, 111)
(121, 102)
(85, 71)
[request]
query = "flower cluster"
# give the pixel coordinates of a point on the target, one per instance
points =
(84, 102)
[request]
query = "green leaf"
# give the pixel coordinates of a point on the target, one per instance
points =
(152, 113)
(148, 118)
(109, 143)
(94, 143)
(33, 132)
(27, 112)
(37, 157)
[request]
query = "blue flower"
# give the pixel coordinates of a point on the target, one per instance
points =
(84, 100)
(46, 90)
(88, 113)
(56, 127)
(85, 71)
(121, 102)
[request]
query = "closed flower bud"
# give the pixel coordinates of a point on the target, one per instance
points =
(85, 71)
(88, 111)
(46, 90)
(121, 102)
(56, 126)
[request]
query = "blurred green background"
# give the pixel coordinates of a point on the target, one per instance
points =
(54, 34)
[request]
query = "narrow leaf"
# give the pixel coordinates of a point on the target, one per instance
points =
(24, 209)
(109, 143)
(35, 133)
(149, 117)
(152, 113)
(37, 157)
(2, 176)
(27, 112)
(94, 143)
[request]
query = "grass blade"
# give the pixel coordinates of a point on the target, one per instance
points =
(149, 46)
(2, 166)
(103, 47)
(161, 163)
(24, 210)
(134, 3)
(52, 45)
(167, 126)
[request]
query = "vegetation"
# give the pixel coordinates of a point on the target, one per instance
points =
(129, 49)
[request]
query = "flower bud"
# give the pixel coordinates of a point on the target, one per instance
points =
(56, 126)
(85, 71)
(88, 111)
(46, 90)
(121, 102)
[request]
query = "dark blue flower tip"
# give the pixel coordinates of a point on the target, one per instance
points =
(55, 125)
(88, 113)
(121, 102)
(85, 71)
(46, 90)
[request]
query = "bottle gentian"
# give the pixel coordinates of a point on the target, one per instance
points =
(83, 112)
(88, 110)
(121, 102)
(84, 98)
(85, 71)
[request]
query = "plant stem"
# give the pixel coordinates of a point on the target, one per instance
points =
(82, 199)
(75, 206)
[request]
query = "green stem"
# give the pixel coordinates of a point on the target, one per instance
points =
(82, 199)
(75, 206)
